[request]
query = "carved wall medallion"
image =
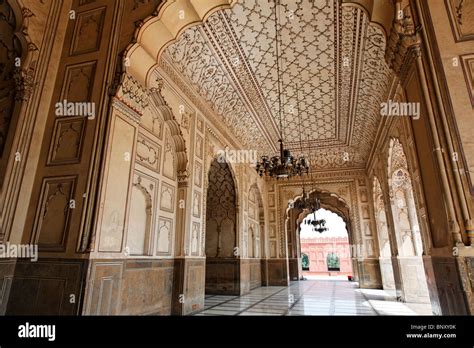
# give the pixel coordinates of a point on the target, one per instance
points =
(148, 153)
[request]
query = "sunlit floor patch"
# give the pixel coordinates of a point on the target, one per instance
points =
(312, 297)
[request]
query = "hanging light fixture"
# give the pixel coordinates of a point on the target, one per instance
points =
(285, 165)
(319, 225)
(304, 202)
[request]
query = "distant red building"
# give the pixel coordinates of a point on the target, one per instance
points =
(326, 256)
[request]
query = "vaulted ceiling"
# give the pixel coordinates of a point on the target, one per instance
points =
(330, 51)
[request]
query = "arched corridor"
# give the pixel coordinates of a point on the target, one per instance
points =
(162, 157)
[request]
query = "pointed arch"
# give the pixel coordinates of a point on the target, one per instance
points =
(413, 282)
(259, 217)
(221, 211)
(168, 117)
(386, 244)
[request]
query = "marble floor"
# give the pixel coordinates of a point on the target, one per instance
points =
(312, 297)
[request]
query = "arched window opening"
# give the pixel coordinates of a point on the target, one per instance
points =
(333, 262)
(305, 262)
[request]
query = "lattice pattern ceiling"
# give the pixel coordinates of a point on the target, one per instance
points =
(331, 51)
(307, 59)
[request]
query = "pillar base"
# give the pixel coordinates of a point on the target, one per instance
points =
(250, 275)
(223, 276)
(293, 268)
(129, 287)
(188, 286)
(451, 280)
(411, 283)
(45, 287)
(386, 271)
(277, 272)
(369, 274)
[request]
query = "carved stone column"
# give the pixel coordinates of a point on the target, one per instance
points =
(415, 228)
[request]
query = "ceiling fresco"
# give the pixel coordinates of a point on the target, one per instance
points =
(330, 52)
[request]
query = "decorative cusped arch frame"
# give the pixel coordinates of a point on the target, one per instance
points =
(380, 12)
(168, 117)
(333, 203)
(328, 205)
(157, 32)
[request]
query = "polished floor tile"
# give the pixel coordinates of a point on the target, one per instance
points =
(312, 297)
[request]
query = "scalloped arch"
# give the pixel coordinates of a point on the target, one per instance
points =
(329, 205)
(380, 12)
(167, 114)
(157, 32)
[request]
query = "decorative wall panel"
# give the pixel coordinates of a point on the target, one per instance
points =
(52, 219)
(164, 234)
(468, 69)
(152, 122)
(167, 197)
(199, 147)
(88, 31)
(169, 158)
(67, 142)
(141, 221)
(78, 82)
(197, 174)
(148, 153)
(461, 13)
(196, 204)
(195, 238)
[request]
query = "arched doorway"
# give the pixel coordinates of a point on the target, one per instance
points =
(222, 267)
(255, 239)
(412, 285)
(328, 252)
(329, 202)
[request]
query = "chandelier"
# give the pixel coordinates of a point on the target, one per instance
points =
(305, 203)
(285, 165)
(319, 225)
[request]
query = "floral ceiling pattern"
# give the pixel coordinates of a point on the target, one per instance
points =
(330, 52)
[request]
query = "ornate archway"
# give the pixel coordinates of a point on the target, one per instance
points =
(386, 268)
(412, 285)
(221, 231)
(295, 216)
